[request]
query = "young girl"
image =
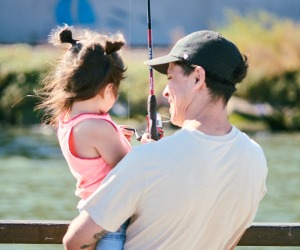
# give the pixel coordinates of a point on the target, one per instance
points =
(77, 96)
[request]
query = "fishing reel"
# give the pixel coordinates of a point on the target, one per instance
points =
(159, 129)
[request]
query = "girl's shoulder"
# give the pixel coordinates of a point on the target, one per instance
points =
(88, 119)
(96, 125)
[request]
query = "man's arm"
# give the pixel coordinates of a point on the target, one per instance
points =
(83, 233)
(237, 241)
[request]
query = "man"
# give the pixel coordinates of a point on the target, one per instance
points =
(197, 189)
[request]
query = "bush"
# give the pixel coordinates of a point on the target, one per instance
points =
(271, 44)
(21, 66)
(273, 49)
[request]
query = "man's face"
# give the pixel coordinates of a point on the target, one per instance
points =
(178, 92)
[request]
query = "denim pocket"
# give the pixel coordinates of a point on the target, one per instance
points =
(113, 241)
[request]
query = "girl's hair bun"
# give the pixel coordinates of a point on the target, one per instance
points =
(65, 36)
(112, 47)
(114, 43)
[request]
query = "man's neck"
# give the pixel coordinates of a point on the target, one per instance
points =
(211, 120)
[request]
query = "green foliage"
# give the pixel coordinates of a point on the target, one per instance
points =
(273, 50)
(248, 124)
(281, 91)
(17, 101)
(270, 43)
(20, 69)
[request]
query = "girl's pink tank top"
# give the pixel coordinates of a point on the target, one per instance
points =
(89, 172)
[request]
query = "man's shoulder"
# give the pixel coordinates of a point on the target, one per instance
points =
(251, 148)
(248, 140)
(153, 151)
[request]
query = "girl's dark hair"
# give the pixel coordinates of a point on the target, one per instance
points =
(218, 87)
(87, 67)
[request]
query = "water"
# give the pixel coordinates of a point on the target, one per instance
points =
(36, 183)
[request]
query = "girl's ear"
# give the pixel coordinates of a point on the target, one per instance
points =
(108, 89)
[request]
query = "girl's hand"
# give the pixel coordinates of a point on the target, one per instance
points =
(127, 132)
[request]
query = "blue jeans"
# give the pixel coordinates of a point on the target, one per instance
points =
(113, 241)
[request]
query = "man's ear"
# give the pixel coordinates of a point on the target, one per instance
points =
(199, 76)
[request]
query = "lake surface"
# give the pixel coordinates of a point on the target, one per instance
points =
(36, 184)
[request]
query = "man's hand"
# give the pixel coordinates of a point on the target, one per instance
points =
(146, 136)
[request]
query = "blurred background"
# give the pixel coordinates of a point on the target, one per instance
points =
(35, 180)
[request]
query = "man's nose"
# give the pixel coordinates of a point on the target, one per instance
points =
(166, 92)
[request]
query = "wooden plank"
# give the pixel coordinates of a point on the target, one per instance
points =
(33, 232)
(52, 232)
(272, 234)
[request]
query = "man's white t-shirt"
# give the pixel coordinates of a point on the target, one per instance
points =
(186, 191)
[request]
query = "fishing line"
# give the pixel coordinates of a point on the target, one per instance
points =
(165, 116)
(129, 56)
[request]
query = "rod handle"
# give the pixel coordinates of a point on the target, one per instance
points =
(152, 116)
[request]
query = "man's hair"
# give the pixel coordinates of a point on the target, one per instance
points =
(218, 87)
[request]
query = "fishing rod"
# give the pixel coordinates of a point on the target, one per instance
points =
(153, 118)
(151, 104)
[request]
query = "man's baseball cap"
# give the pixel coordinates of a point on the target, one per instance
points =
(205, 48)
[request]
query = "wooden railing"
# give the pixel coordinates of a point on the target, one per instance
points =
(52, 232)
